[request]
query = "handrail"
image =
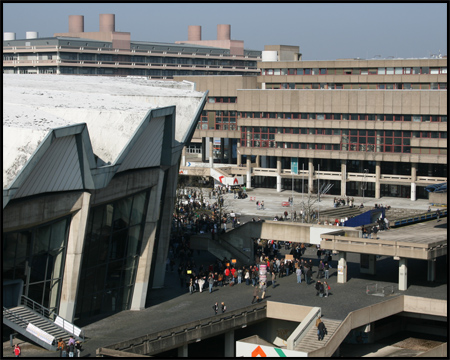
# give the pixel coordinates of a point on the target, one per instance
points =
(17, 317)
(306, 326)
(36, 307)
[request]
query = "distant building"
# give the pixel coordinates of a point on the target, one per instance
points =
(112, 53)
(90, 170)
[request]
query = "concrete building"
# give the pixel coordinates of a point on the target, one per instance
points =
(112, 53)
(375, 127)
(90, 168)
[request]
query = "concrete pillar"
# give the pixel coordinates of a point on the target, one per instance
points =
(183, 351)
(211, 148)
(342, 267)
(238, 154)
(310, 175)
(343, 178)
(72, 266)
(249, 172)
(148, 240)
(377, 180)
(222, 150)
(278, 174)
(402, 274)
(183, 157)
(229, 344)
(258, 160)
(413, 181)
(368, 264)
(203, 149)
(431, 275)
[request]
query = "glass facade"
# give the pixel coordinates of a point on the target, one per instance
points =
(36, 256)
(110, 256)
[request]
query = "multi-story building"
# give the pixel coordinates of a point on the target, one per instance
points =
(111, 53)
(378, 125)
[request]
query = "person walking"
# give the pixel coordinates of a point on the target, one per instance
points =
(317, 287)
(322, 330)
(78, 348)
(263, 290)
(320, 270)
(216, 308)
(308, 275)
(318, 322)
(274, 276)
(255, 294)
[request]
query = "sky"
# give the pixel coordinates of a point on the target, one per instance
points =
(323, 31)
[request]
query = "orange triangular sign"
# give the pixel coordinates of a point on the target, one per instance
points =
(258, 351)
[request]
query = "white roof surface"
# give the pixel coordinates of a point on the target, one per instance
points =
(112, 108)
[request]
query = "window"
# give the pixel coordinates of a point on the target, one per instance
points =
(390, 71)
(292, 71)
(444, 70)
(373, 71)
(364, 71)
(339, 71)
(315, 71)
(277, 72)
(434, 70)
(407, 70)
(299, 71)
(381, 71)
(323, 71)
(398, 71)
(416, 70)
(347, 71)
(425, 70)
(307, 71)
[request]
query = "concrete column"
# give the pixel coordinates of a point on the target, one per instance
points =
(72, 266)
(222, 150)
(310, 175)
(203, 149)
(229, 344)
(148, 240)
(278, 174)
(343, 178)
(402, 274)
(342, 267)
(238, 153)
(431, 275)
(183, 351)
(183, 157)
(258, 160)
(377, 180)
(249, 172)
(368, 264)
(413, 181)
(211, 148)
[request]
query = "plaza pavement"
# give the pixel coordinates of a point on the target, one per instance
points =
(173, 305)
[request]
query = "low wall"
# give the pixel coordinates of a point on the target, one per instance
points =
(438, 198)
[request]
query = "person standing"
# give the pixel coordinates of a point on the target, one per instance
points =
(216, 308)
(326, 268)
(17, 350)
(62, 348)
(320, 270)
(274, 276)
(191, 286)
(298, 272)
(224, 308)
(78, 348)
(210, 282)
(326, 287)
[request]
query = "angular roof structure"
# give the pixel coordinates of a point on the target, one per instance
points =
(64, 133)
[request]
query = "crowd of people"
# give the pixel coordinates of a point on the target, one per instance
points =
(70, 349)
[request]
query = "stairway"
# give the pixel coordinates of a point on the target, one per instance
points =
(310, 343)
(19, 317)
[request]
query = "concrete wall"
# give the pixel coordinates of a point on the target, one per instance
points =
(438, 198)
(289, 312)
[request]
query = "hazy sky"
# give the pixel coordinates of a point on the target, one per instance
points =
(324, 31)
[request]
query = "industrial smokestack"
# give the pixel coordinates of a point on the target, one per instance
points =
(194, 33)
(107, 23)
(223, 32)
(76, 23)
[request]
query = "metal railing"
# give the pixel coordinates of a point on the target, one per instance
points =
(37, 308)
(19, 320)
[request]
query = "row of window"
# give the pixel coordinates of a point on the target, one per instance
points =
(343, 147)
(333, 116)
(264, 133)
(357, 71)
(222, 100)
(364, 86)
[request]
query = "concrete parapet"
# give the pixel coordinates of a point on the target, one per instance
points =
(425, 306)
(290, 312)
